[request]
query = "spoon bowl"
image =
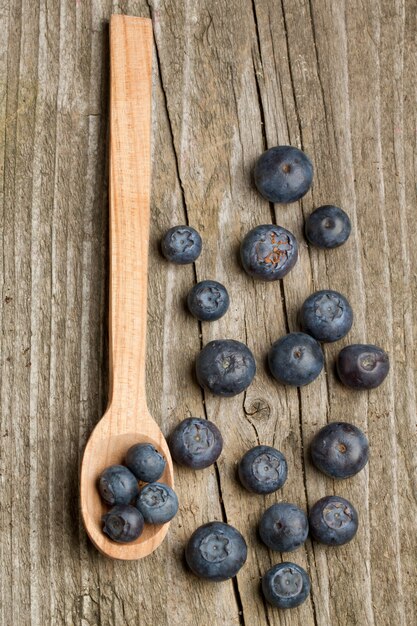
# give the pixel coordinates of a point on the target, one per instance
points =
(127, 420)
(102, 451)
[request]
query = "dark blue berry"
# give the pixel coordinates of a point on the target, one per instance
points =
(263, 469)
(216, 551)
(339, 450)
(283, 527)
(333, 521)
(123, 523)
(268, 252)
(225, 367)
(326, 315)
(157, 502)
(296, 359)
(362, 366)
(283, 174)
(181, 244)
(327, 227)
(117, 485)
(196, 443)
(286, 585)
(145, 462)
(208, 300)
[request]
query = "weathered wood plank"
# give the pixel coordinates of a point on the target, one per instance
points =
(399, 232)
(316, 132)
(21, 67)
(230, 78)
(172, 355)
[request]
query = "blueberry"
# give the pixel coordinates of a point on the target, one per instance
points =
(117, 485)
(268, 252)
(123, 523)
(326, 315)
(339, 450)
(216, 551)
(283, 527)
(362, 366)
(263, 469)
(208, 300)
(157, 502)
(196, 443)
(295, 359)
(225, 367)
(286, 585)
(333, 521)
(145, 462)
(328, 227)
(283, 174)
(181, 245)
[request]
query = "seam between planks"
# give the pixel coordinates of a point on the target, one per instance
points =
(14, 554)
(34, 371)
(388, 279)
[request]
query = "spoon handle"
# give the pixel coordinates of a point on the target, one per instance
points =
(130, 173)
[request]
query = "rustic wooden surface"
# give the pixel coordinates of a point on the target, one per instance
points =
(230, 77)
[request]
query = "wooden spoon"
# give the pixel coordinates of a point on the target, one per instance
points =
(127, 420)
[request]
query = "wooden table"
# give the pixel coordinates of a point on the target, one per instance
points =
(230, 78)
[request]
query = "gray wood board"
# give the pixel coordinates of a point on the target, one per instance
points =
(230, 79)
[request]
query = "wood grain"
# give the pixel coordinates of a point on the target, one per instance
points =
(229, 79)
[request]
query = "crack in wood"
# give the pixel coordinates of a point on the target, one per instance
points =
(170, 127)
(313, 31)
(287, 43)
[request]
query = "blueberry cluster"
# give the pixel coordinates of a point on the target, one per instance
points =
(216, 551)
(226, 367)
(154, 503)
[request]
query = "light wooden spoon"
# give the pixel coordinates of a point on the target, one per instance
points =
(127, 420)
